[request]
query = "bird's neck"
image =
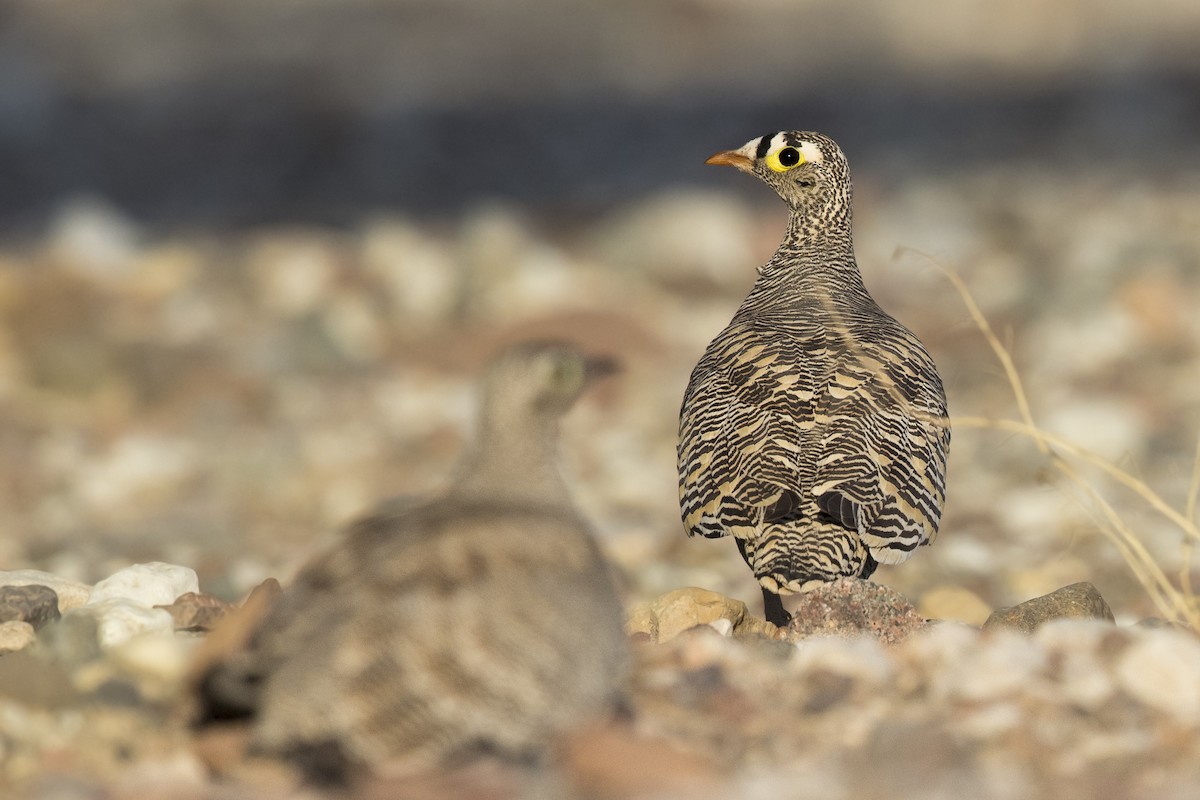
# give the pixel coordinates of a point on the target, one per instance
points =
(514, 463)
(816, 255)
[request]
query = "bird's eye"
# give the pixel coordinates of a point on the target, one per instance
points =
(567, 375)
(784, 159)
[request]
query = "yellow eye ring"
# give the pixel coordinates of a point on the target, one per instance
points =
(785, 158)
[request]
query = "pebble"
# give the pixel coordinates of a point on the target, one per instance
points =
(95, 239)
(151, 584)
(849, 607)
(71, 594)
(665, 617)
(1079, 672)
(1162, 669)
(119, 619)
(1077, 600)
(33, 603)
(159, 662)
(16, 635)
(195, 611)
(419, 274)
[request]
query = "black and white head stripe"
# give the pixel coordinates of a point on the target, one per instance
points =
(769, 143)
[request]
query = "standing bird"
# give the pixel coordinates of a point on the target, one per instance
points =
(485, 621)
(814, 427)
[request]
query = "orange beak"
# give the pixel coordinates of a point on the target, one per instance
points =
(731, 158)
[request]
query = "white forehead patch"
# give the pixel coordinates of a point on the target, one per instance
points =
(811, 153)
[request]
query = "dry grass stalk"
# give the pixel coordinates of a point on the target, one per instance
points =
(1174, 600)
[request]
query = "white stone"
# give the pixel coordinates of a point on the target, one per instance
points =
(16, 635)
(95, 239)
(161, 658)
(419, 273)
(294, 272)
(1081, 678)
(119, 619)
(862, 658)
(152, 584)
(1004, 664)
(1162, 670)
(71, 594)
(722, 626)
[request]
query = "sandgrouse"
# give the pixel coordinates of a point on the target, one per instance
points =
(484, 621)
(814, 428)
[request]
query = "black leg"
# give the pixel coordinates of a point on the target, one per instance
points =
(773, 608)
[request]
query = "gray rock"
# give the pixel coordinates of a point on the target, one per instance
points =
(1079, 600)
(849, 607)
(71, 594)
(33, 603)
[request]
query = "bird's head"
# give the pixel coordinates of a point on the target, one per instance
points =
(808, 170)
(542, 379)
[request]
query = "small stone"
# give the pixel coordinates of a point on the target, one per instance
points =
(1077, 648)
(851, 606)
(119, 619)
(1002, 665)
(33, 603)
(95, 239)
(1160, 669)
(158, 662)
(73, 640)
(71, 594)
(665, 617)
(196, 611)
(152, 584)
(16, 635)
(1079, 600)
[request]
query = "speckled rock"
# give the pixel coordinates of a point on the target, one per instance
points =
(16, 635)
(151, 584)
(71, 594)
(850, 606)
(34, 603)
(1077, 600)
(665, 617)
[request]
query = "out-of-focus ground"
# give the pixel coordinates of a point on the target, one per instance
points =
(256, 254)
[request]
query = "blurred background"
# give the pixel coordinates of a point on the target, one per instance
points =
(253, 254)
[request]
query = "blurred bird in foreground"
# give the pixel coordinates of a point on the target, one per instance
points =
(483, 622)
(814, 427)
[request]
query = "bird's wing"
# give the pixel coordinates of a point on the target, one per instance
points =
(882, 466)
(747, 403)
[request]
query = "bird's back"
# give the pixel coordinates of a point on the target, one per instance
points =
(452, 628)
(812, 431)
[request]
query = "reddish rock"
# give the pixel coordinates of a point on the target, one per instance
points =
(850, 607)
(196, 611)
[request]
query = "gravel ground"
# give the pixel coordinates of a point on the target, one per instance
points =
(226, 397)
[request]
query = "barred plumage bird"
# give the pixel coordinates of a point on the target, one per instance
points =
(485, 621)
(814, 428)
